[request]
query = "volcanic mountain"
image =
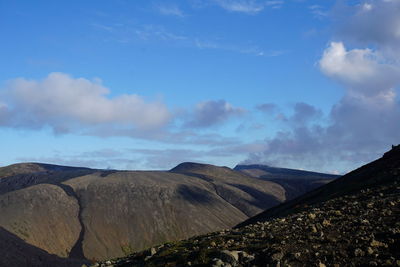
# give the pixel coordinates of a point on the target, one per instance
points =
(352, 221)
(90, 214)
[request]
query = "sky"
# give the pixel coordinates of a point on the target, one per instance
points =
(148, 84)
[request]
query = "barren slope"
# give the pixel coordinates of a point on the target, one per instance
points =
(353, 221)
(16, 252)
(295, 182)
(96, 214)
(378, 172)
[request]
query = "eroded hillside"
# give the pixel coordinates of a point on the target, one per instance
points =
(95, 214)
(353, 221)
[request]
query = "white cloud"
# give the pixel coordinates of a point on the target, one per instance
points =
(361, 70)
(65, 103)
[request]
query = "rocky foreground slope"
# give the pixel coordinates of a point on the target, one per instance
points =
(358, 226)
(88, 214)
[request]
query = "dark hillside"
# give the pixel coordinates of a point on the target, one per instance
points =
(378, 172)
(295, 182)
(353, 221)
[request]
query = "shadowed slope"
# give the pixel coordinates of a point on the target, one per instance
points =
(249, 195)
(16, 252)
(129, 211)
(353, 221)
(378, 172)
(295, 182)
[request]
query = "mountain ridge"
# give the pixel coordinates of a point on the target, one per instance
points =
(357, 227)
(108, 213)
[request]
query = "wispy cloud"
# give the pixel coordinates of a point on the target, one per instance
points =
(147, 32)
(318, 11)
(242, 49)
(274, 4)
(250, 7)
(170, 10)
(123, 33)
(103, 27)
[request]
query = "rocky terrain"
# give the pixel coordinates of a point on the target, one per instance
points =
(295, 182)
(353, 221)
(89, 214)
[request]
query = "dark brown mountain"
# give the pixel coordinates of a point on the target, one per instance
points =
(295, 182)
(352, 221)
(27, 168)
(91, 214)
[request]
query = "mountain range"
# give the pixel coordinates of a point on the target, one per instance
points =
(75, 215)
(351, 221)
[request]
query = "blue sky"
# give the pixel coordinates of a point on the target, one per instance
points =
(148, 84)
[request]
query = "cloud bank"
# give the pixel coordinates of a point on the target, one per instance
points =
(65, 104)
(366, 120)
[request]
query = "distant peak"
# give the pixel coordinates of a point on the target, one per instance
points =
(187, 166)
(251, 166)
(194, 166)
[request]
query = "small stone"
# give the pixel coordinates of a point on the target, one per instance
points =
(375, 243)
(358, 252)
(313, 228)
(326, 223)
(231, 257)
(108, 263)
(277, 256)
(321, 265)
(373, 263)
(217, 263)
(366, 222)
(244, 257)
(312, 216)
(213, 244)
(370, 251)
(338, 213)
